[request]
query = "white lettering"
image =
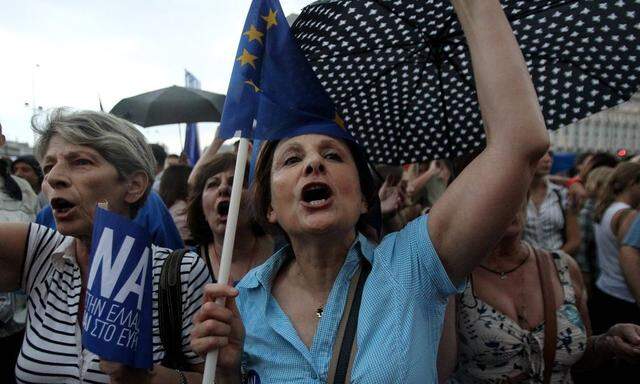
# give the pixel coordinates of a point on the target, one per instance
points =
(102, 257)
(131, 286)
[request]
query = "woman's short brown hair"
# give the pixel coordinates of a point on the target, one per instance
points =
(196, 219)
(369, 223)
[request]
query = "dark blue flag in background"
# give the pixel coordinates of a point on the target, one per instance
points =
(273, 92)
(118, 310)
(191, 143)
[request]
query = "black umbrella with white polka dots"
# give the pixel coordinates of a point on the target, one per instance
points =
(400, 74)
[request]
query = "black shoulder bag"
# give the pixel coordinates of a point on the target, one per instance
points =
(170, 309)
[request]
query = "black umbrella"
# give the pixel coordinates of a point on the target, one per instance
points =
(170, 106)
(400, 74)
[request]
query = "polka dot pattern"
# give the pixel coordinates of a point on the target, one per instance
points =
(400, 72)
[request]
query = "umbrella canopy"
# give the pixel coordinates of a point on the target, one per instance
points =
(400, 72)
(170, 106)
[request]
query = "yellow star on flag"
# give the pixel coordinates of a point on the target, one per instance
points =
(338, 120)
(255, 87)
(247, 58)
(270, 19)
(254, 34)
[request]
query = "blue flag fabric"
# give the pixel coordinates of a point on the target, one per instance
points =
(117, 320)
(273, 92)
(191, 143)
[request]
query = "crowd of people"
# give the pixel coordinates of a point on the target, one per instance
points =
(450, 271)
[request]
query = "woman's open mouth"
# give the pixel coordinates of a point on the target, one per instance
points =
(61, 207)
(223, 208)
(316, 194)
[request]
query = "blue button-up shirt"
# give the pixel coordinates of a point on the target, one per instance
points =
(632, 238)
(399, 325)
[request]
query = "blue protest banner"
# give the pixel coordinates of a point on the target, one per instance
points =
(117, 323)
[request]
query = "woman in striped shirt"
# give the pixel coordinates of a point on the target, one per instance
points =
(87, 157)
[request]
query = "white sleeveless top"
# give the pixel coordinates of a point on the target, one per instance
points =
(611, 280)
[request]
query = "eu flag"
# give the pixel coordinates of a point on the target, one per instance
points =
(273, 92)
(191, 144)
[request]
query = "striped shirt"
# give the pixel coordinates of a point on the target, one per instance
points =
(52, 350)
(545, 225)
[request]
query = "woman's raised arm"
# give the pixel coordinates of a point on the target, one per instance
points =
(13, 239)
(473, 213)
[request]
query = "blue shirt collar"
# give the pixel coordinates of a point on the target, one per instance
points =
(265, 274)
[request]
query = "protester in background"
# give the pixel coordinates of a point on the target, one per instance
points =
(572, 175)
(18, 201)
(207, 219)
(586, 255)
(160, 155)
(174, 191)
(318, 191)
(172, 159)
(552, 218)
(612, 300)
(18, 204)
(28, 168)
(500, 331)
(576, 184)
(428, 181)
(392, 196)
(581, 162)
(87, 157)
(630, 259)
(424, 183)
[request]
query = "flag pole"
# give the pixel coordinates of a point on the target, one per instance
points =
(227, 246)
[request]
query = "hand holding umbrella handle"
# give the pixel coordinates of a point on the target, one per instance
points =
(227, 246)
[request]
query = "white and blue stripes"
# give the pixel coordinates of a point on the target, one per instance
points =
(52, 351)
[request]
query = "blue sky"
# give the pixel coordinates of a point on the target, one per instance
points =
(114, 49)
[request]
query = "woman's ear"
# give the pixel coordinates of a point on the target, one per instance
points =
(272, 218)
(364, 206)
(137, 184)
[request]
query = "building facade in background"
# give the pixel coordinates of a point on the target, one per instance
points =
(610, 131)
(15, 149)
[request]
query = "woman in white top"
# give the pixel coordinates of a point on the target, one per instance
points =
(552, 218)
(612, 299)
(87, 157)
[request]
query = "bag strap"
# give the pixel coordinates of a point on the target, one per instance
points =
(344, 348)
(170, 310)
(545, 266)
(205, 255)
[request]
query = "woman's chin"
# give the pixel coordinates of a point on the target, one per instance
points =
(321, 226)
(71, 229)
